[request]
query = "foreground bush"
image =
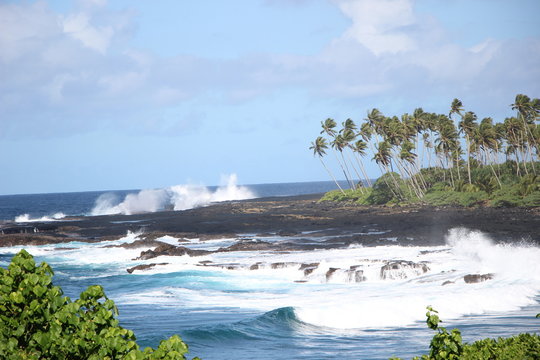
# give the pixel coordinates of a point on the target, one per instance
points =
(448, 345)
(37, 322)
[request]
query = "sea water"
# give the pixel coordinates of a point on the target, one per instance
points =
(265, 305)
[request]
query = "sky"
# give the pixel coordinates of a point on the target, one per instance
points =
(138, 94)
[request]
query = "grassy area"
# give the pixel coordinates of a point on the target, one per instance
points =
(448, 187)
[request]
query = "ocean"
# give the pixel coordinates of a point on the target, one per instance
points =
(286, 306)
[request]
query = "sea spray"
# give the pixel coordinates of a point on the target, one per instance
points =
(227, 282)
(27, 218)
(329, 297)
(178, 197)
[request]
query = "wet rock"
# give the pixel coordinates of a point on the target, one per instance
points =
(154, 235)
(144, 267)
(330, 272)
(205, 262)
(308, 268)
(138, 244)
(205, 237)
(255, 266)
(282, 265)
(402, 269)
(31, 239)
(355, 274)
(476, 278)
(170, 250)
(287, 233)
(248, 246)
(447, 282)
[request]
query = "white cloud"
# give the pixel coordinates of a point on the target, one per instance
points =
(64, 67)
(97, 38)
(379, 24)
(23, 28)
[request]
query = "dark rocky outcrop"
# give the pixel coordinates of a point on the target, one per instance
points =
(254, 245)
(170, 250)
(282, 265)
(476, 278)
(181, 236)
(355, 274)
(144, 267)
(138, 244)
(308, 268)
(32, 239)
(400, 269)
(330, 272)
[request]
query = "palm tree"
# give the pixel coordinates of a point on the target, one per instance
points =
(382, 158)
(456, 108)
(359, 148)
(319, 147)
(339, 144)
(328, 127)
(447, 140)
(348, 136)
(467, 125)
(527, 112)
(487, 139)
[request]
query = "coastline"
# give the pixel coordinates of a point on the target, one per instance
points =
(290, 216)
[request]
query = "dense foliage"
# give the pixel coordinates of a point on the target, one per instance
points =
(424, 159)
(38, 322)
(449, 345)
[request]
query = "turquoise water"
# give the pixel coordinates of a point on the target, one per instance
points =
(282, 312)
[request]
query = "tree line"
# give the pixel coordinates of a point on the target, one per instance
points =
(405, 146)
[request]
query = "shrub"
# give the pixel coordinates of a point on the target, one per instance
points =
(385, 190)
(359, 196)
(449, 345)
(450, 197)
(37, 322)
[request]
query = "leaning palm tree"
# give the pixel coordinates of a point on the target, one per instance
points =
(467, 126)
(339, 144)
(319, 147)
(349, 136)
(359, 148)
(487, 139)
(526, 111)
(383, 158)
(328, 126)
(447, 141)
(456, 108)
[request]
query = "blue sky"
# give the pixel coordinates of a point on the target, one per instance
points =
(133, 94)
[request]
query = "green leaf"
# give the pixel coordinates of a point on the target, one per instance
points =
(16, 297)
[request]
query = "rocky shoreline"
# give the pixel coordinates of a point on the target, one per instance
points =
(336, 224)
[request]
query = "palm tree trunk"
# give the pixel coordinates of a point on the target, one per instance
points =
(331, 175)
(468, 157)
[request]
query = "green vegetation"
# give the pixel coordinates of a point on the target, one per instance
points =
(424, 160)
(449, 345)
(37, 322)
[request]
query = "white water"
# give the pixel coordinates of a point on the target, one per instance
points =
(398, 298)
(178, 197)
(26, 218)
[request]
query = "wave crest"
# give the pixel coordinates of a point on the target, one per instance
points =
(178, 197)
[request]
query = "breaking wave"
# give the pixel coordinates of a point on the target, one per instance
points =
(26, 218)
(178, 197)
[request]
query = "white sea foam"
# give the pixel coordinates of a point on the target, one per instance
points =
(326, 297)
(339, 302)
(178, 197)
(26, 218)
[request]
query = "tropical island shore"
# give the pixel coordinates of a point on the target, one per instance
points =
(336, 224)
